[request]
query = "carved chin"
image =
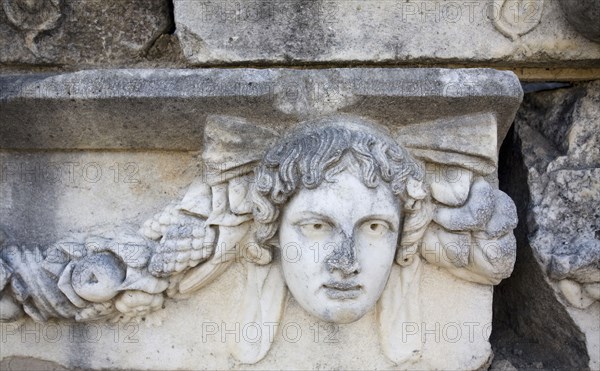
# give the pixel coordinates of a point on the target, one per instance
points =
(342, 315)
(337, 311)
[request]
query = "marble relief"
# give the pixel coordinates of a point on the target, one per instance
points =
(338, 211)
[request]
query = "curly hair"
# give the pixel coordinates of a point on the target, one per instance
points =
(317, 151)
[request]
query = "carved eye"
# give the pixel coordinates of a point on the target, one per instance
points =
(315, 228)
(375, 227)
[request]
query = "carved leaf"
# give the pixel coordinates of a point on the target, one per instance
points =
(34, 289)
(198, 199)
(56, 261)
(226, 251)
(142, 280)
(19, 289)
(65, 285)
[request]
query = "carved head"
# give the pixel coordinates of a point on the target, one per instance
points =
(331, 196)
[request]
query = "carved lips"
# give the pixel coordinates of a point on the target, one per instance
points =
(340, 290)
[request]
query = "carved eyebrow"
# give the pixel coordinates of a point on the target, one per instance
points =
(311, 214)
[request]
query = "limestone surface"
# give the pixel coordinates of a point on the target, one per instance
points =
(83, 33)
(500, 32)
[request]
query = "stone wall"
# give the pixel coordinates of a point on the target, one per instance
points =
(144, 186)
(551, 161)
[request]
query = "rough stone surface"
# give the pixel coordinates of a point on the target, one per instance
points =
(531, 37)
(223, 235)
(583, 16)
(559, 263)
(564, 166)
(22, 363)
(80, 33)
(506, 32)
(502, 365)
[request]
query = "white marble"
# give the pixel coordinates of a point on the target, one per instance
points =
(338, 222)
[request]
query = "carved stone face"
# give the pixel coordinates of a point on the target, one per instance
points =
(338, 243)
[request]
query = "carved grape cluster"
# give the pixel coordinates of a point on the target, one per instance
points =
(184, 241)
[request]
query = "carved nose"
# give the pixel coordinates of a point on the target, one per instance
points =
(343, 258)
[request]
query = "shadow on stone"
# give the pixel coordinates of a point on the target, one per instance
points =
(531, 329)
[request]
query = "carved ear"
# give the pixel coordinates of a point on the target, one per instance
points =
(416, 221)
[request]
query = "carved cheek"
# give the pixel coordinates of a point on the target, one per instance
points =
(376, 251)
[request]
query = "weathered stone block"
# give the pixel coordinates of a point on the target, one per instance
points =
(499, 32)
(83, 33)
(349, 214)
